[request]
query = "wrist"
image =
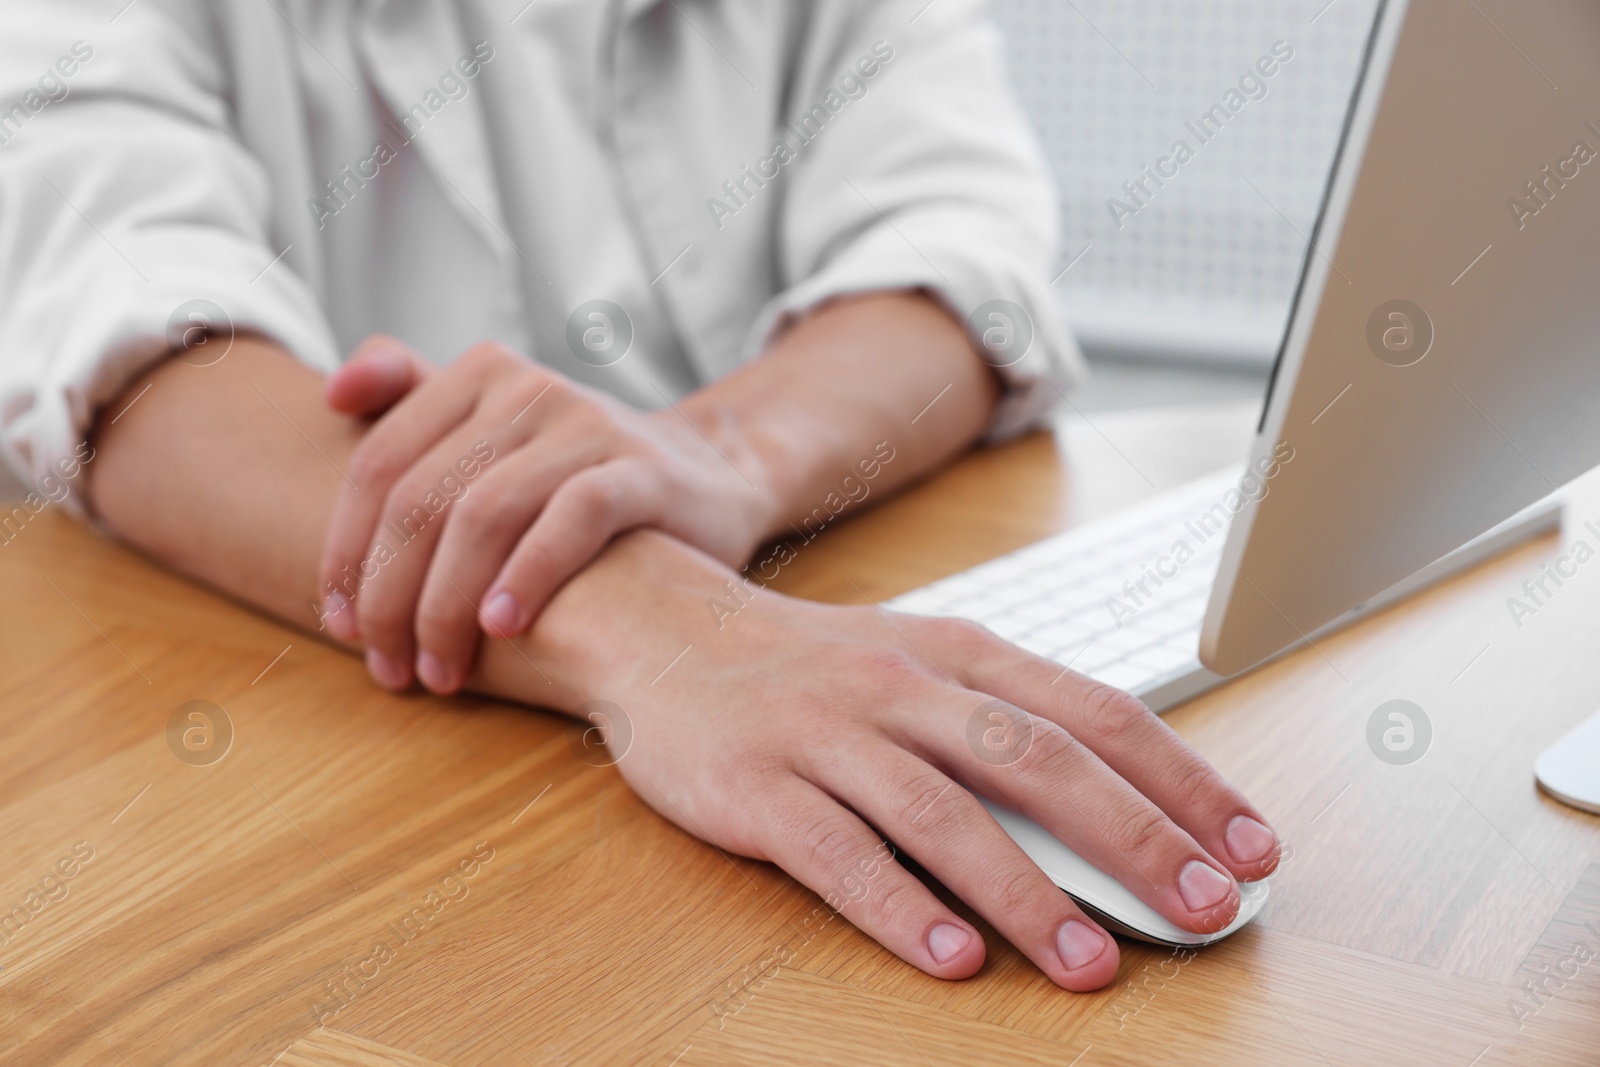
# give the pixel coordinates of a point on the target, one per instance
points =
(861, 373)
(755, 463)
(613, 628)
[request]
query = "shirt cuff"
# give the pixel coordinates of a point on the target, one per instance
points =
(91, 334)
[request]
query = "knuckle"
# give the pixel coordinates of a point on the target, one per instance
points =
(534, 561)
(405, 509)
(1109, 714)
(959, 634)
(586, 420)
(753, 773)
(485, 357)
(832, 844)
(1141, 831)
(1015, 892)
(592, 497)
(534, 383)
(485, 508)
(478, 508)
(889, 669)
(894, 902)
(1052, 751)
(381, 621)
(638, 478)
(373, 464)
(438, 617)
(929, 806)
(1193, 783)
(560, 398)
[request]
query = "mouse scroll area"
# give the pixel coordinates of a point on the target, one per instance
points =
(1104, 898)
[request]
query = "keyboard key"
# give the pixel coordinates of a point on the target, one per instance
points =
(1120, 675)
(1164, 658)
(1094, 658)
(1129, 638)
(1052, 597)
(1064, 634)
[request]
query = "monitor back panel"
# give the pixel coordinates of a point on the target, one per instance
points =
(1442, 364)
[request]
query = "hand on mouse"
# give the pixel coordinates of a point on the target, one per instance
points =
(491, 482)
(804, 733)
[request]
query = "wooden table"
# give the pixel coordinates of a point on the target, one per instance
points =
(221, 905)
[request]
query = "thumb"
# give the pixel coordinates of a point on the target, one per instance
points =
(379, 372)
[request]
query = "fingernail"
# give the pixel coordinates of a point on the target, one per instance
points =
(338, 617)
(389, 673)
(1202, 886)
(502, 614)
(946, 941)
(435, 675)
(1248, 840)
(1079, 944)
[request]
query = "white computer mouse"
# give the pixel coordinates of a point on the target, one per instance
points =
(1103, 897)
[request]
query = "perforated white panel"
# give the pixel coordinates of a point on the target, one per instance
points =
(1204, 266)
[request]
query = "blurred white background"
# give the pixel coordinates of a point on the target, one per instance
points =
(1203, 273)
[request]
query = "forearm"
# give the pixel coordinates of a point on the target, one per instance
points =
(894, 367)
(799, 734)
(228, 474)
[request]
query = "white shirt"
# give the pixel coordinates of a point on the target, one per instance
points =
(635, 193)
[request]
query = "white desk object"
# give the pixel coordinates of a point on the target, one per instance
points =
(1569, 770)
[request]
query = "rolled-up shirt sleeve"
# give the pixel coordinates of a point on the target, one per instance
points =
(126, 204)
(928, 177)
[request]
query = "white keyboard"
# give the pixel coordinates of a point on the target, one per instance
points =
(1051, 598)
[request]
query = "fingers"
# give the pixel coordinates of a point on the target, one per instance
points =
(386, 455)
(950, 834)
(583, 515)
(478, 538)
(1048, 775)
(379, 372)
(833, 852)
(405, 532)
(1130, 740)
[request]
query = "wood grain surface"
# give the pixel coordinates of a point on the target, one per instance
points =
(373, 879)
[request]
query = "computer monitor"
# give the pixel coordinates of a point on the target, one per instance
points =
(1441, 365)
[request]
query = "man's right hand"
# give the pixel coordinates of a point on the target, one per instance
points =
(799, 733)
